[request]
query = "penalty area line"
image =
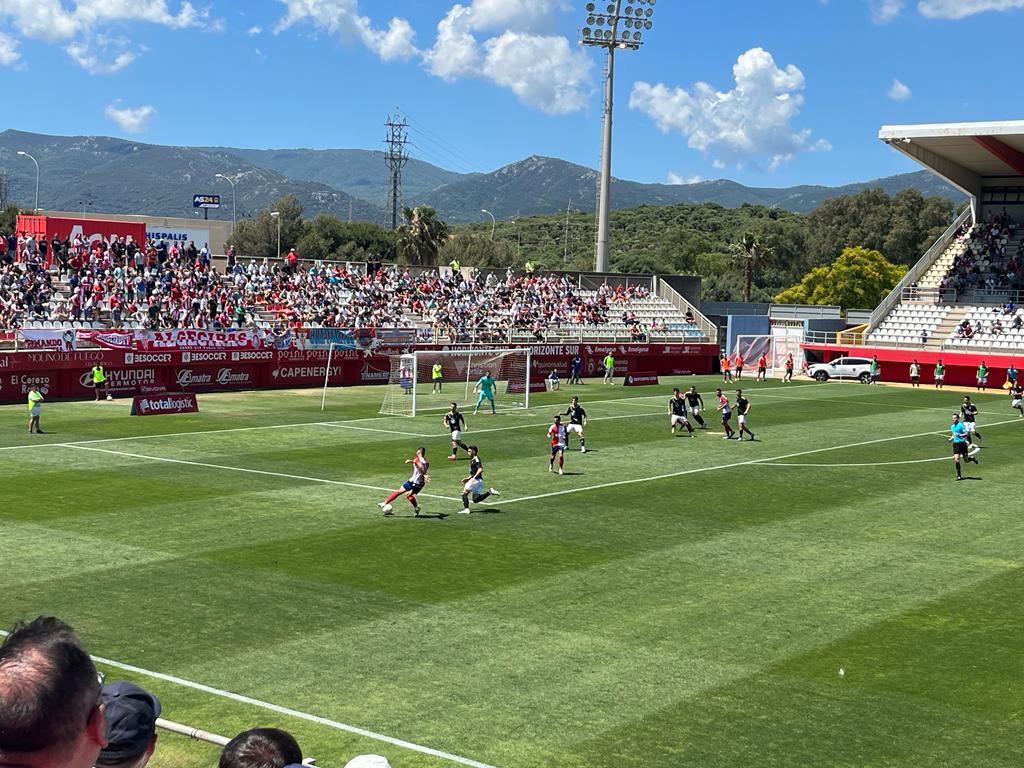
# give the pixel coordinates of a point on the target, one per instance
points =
(225, 467)
(750, 462)
(288, 711)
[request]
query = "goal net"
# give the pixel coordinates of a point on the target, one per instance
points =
(775, 349)
(412, 387)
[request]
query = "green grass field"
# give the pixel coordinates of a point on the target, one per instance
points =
(669, 602)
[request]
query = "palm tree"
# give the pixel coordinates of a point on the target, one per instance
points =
(421, 237)
(750, 253)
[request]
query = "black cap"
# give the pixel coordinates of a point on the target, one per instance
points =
(131, 715)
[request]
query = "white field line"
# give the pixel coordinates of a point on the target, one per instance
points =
(227, 468)
(974, 450)
(286, 711)
(732, 465)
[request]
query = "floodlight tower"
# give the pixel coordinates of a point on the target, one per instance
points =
(622, 28)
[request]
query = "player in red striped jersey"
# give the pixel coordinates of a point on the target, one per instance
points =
(413, 485)
(559, 440)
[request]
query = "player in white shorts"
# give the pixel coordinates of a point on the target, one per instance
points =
(677, 413)
(473, 483)
(1016, 393)
(455, 422)
(577, 421)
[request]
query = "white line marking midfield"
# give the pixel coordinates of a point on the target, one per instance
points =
(287, 711)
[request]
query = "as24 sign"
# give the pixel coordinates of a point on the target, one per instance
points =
(206, 201)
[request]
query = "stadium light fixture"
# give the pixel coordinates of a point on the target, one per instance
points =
(612, 25)
(230, 181)
(494, 222)
(26, 154)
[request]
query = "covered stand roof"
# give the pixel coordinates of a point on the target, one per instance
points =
(970, 156)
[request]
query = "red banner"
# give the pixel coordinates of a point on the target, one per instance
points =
(161, 405)
(647, 378)
(204, 377)
(194, 339)
(89, 229)
(107, 339)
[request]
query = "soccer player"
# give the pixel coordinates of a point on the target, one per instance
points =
(788, 377)
(1016, 392)
(559, 440)
(915, 374)
(677, 412)
(485, 388)
(742, 409)
(413, 485)
(723, 363)
(436, 376)
(35, 407)
(959, 437)
(696, 404)
(762, 368)
(982, 376)
(737, 365)
(940, 373)
(609, 369)
(969, 416)
(726, 411)
(577, 421)
(455, 422)
(473, 483)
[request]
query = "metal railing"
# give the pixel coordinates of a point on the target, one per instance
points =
(917, 271)
(666, 292)
(965, 298)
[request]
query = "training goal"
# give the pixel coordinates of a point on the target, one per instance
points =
(775, 348)
(412, 387)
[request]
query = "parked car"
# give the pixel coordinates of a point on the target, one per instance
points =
(842, 368)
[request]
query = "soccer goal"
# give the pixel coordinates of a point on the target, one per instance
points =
(775, 348)
(412, 387)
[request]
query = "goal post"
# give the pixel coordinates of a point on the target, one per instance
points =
(412, 387)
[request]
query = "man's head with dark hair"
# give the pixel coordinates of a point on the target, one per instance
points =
(261, 748)
(50, 711)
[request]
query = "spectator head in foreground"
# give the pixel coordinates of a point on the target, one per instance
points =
(261, 748)
(51, 714)
(368, 761)
(131, 715)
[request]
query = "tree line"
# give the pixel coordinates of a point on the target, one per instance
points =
(851, 250)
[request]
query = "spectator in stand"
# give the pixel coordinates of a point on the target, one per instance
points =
(51, 715)
(261, 748)
(131, 715)
(292, 262)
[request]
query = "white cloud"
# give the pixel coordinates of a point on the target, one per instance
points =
(899, 92)
(89, 12)
(86, 55)
(39, 19)
(544, 71)
(883, 11)
(8, 51)
(130, 119)
(342, 18)
(751, 122)
(675, 179)
(254, 31)
(959, 9)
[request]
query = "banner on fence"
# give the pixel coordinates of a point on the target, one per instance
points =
(54, 339)
(195, 339)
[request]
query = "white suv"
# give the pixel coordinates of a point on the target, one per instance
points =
(842, 368)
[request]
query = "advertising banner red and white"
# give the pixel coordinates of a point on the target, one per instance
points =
(88, 229)
(53, 339)
(107, 339)
(207, 377)
(195, 339)
(167, 403)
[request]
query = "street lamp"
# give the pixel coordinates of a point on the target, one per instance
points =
(26, 154)
(603, 31)
(493, 221)
(277, 215)
(230, 181)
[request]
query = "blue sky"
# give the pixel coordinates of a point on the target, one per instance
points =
(766, 93)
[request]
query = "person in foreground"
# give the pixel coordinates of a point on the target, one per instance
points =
(474, 482)
(413, 485)
(261, 748)
(961, 448)
(131, 715)
(51, 711)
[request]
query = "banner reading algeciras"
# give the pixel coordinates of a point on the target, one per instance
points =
(194, 339)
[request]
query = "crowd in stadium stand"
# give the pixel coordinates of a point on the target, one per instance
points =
(58, 711)
(156, 286)
(986, 264)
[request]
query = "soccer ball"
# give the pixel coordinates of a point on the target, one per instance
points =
(386, 508)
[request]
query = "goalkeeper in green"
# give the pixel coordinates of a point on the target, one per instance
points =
(485, 389)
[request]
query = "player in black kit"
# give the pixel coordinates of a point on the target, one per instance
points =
(742, 409)
(577, 421)
(474, 482)
(695, 403)
(677, 412)
(455, 422)
(969, 416)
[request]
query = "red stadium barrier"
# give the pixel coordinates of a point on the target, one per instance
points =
(961, 367)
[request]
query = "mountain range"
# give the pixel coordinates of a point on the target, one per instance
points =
(100, 174)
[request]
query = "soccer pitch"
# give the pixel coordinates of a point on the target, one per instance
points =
(670, 601)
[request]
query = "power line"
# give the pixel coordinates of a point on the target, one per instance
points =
(395, 158)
